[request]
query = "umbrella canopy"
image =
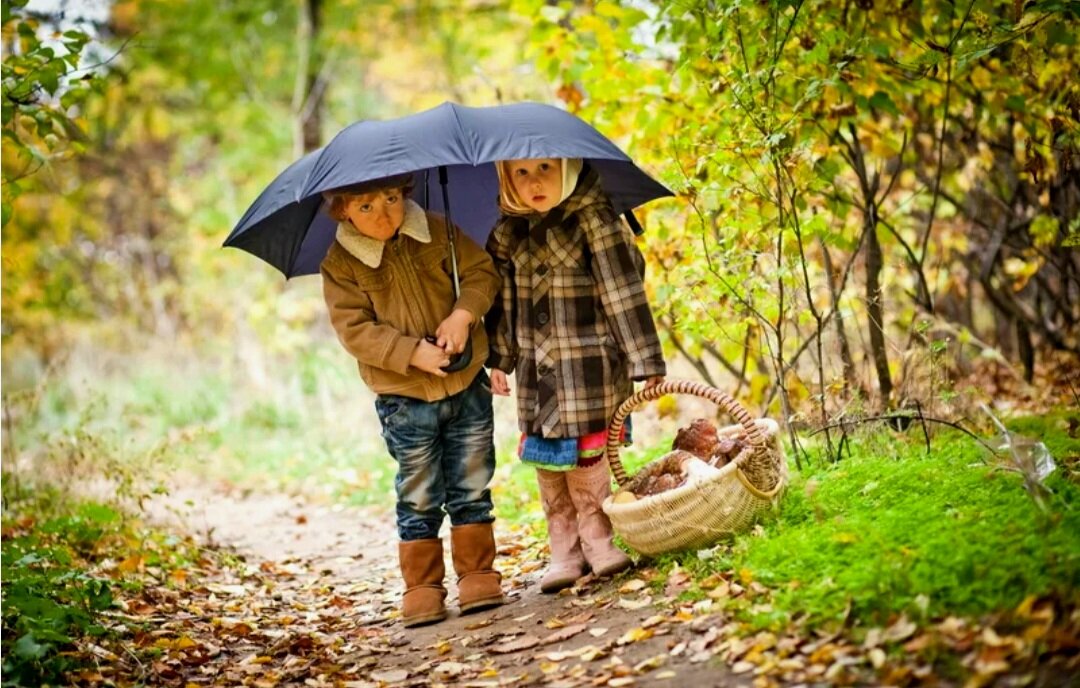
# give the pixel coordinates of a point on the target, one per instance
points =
(294, 236)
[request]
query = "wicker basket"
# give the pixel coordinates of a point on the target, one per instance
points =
(699, 514)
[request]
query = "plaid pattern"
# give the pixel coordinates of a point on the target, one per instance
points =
(573, 321)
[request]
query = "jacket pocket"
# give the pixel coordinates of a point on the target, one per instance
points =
(375, 280)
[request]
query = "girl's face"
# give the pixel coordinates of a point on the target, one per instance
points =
(378, 214)
(538, 182)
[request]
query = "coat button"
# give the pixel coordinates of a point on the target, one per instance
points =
(542, 318)
(541, 270)
(543, 370)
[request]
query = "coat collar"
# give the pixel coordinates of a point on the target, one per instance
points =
(370, 251)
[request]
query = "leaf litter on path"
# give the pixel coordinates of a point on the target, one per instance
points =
(317, 617)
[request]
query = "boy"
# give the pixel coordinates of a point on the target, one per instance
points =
(387, 287)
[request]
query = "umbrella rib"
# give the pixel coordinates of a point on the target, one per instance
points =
(473, 154)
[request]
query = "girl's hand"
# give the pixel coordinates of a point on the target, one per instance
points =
(653, 381)
(499, 385)
(429, 358)
(453, 332)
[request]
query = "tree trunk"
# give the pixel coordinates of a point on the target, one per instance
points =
(308, 91)
(850, 376)
(874, 265)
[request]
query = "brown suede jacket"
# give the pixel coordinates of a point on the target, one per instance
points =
(381, 313)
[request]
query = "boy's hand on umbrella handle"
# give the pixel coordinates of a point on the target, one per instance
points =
(453, 332)
(499, 385)
(652, 382)
(429, 358)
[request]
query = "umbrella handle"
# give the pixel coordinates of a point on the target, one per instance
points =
(457, 361)
(462, 360)
(443, 182)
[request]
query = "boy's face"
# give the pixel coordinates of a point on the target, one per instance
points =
(378, 214)
(538, 182)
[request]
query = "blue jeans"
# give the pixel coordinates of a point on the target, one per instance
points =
(445, 453)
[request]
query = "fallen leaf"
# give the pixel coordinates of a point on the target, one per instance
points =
(451, 668)
(902, 629)
(583, 617)
(650, 664)
(563, 634)
(632, 586)
(634, 635)
(390, 675)
(676, 583)
(635, 604)
(876, 657)
(591, 652)
(549, 667)
(741, 667)
(873, 638)
(919, 643)
(523, 643)
(722, 590)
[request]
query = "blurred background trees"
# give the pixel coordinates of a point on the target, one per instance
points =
(876, 201)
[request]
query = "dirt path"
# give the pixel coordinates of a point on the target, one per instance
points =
(316, 603)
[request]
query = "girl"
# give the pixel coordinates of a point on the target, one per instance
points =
(387, 289)
(574, 323)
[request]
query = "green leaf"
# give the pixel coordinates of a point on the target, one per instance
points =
(1016, 103)
(881, 101)
(27, 648)
(878, 48)
(50, 79)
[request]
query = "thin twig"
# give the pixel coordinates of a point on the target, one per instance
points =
(905, 416)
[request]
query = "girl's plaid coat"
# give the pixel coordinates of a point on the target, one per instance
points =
(573, 320)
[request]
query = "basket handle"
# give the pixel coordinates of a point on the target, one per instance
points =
(692, 387)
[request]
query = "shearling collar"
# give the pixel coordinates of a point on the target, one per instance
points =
(370, 251)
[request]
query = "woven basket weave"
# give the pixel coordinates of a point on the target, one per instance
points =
(699, 514)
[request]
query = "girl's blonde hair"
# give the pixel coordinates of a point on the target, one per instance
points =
(512, 204)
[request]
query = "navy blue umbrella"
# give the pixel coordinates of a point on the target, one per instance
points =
(450, 150)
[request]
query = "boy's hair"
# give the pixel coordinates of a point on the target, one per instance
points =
(337, 198)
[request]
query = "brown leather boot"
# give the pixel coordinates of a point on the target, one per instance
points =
(473, 549)
(423, 570)
(567, 560)
(589, 487)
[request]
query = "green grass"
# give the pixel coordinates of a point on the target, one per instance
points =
(892, 530)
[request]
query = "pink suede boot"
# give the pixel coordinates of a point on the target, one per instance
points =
(567, 559)
(589, 487)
